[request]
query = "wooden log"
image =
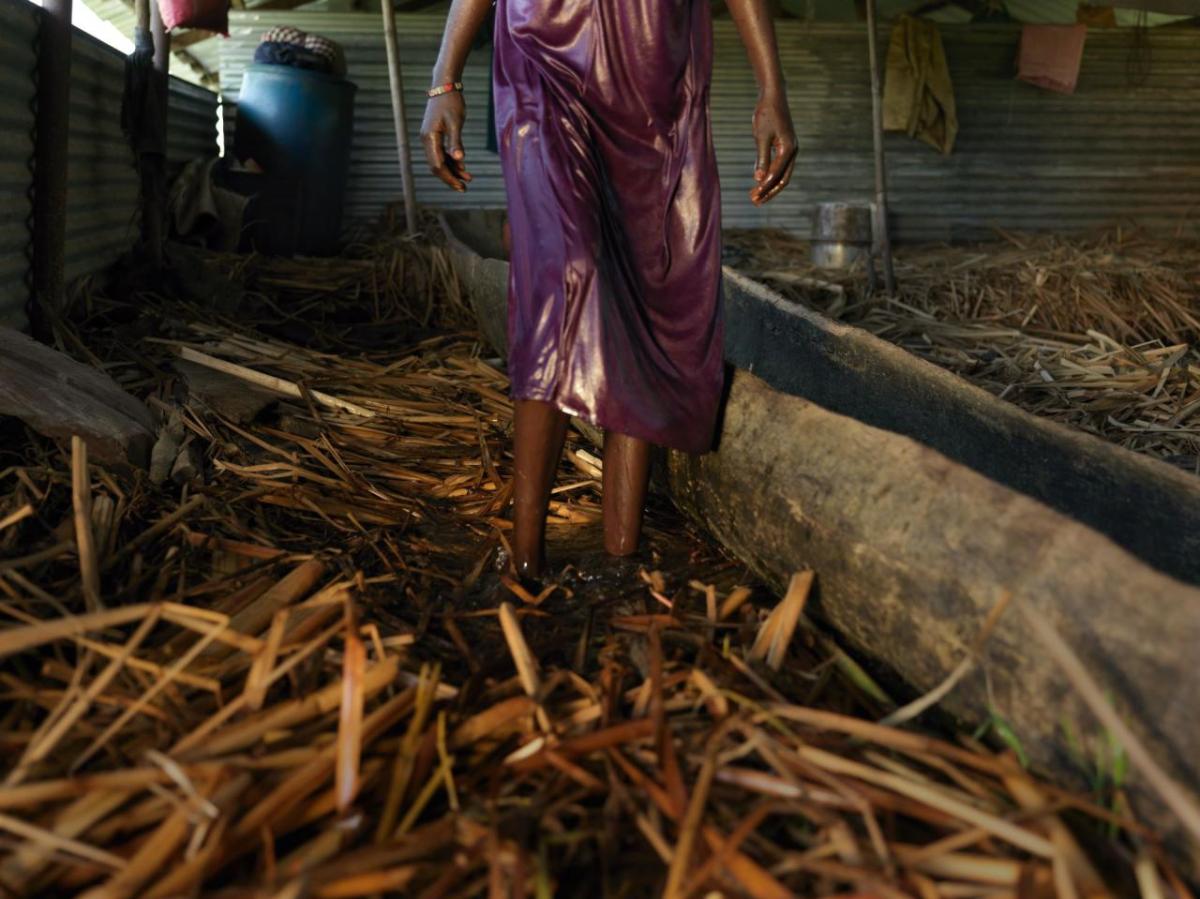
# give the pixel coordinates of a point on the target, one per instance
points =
(912, 550)
(59, 397)
(1146, 506)
(479, 259)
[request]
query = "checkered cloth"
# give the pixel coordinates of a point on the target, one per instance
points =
(283, 34)
(329, 49)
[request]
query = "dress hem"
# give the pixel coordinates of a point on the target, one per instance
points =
(595, 421)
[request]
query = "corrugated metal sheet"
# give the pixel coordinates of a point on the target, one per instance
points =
(191, 122)
(1126, 145)
(17, 59)
(1025, 158)
(102, 198)
(102, 188)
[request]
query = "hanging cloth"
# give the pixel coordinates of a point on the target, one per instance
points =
(918, 96)
(143, 110)
(1050, 56)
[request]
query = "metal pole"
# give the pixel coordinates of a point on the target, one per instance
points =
(884, 243)
(50, 165)
(398, 115)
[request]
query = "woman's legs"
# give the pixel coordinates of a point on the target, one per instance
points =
(537, 445)
(626, 475)
(540, 429)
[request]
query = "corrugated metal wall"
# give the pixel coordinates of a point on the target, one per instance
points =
(102, 204)
(1025, 158)
(1122, 147)
(17, 59)
(102, 198)
(102, 187)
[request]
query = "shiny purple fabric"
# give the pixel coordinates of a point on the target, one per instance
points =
(614, 310)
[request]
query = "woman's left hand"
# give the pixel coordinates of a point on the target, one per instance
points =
(776, 142)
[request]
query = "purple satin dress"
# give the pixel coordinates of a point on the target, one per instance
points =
(614, 309)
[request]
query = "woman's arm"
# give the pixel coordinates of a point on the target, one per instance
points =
(441, 130)
(772, 119)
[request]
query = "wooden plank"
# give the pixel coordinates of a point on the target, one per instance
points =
(60, 397)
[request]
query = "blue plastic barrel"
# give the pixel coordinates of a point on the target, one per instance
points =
(297, 125)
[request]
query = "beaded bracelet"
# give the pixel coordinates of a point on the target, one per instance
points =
(444, 88)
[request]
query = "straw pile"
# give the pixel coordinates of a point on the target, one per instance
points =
(292, 669)
(1100, 333)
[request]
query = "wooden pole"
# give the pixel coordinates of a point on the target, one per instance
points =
(398, 115)
(883, 242)
(162, 44)
(153, 162)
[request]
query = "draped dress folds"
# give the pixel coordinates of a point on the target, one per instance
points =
(614, 307)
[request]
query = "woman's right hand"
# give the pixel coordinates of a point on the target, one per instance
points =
(441, 135)
(776, 141)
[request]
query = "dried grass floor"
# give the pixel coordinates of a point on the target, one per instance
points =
(292, 669)
(1101, 333)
